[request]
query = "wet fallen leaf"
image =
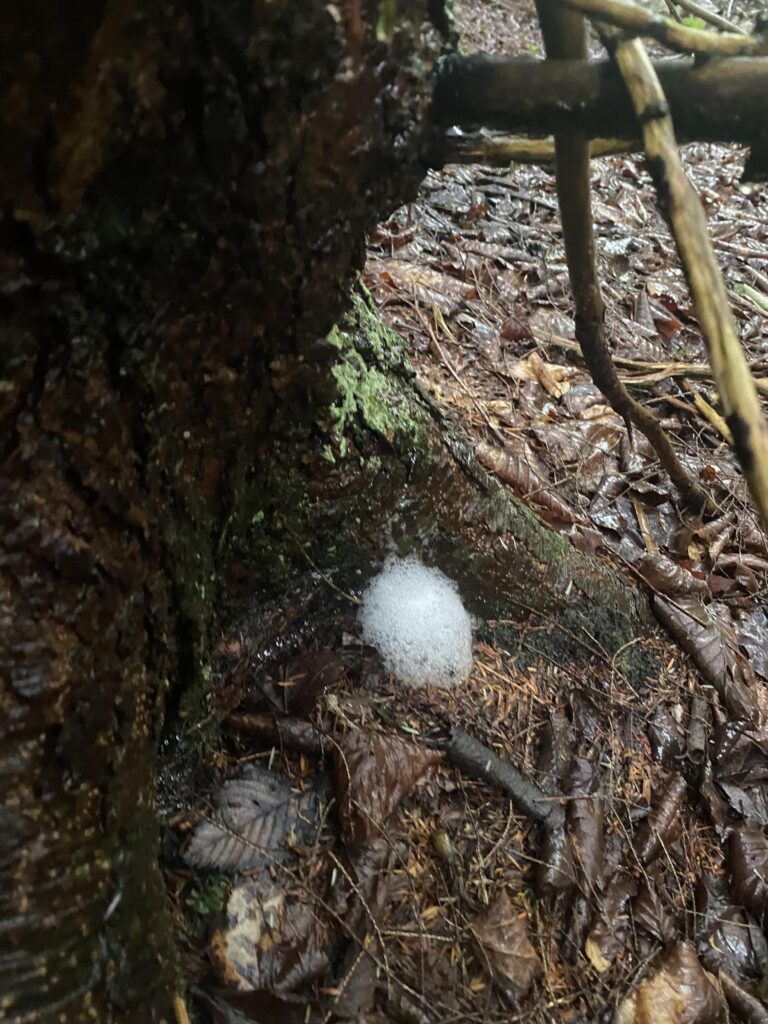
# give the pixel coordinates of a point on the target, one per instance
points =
(667, 577)
(281, 731)
(666, 737)
(356, 990)
(424, 284)
(256, 817)
(650, 914)
(270, 940)
(585, 822)
(373, 773)
(663, 824)
(502, 935)
(556, 745)
(679, 991)
(752, 634)
(555, 870)
(743, 1005)
(610, 933)
(740, 751)
(304, 677)
(515, 469)
(712, 645)
(728, 937)
(748, 863)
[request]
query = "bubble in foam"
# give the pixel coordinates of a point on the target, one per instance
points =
(414, 617)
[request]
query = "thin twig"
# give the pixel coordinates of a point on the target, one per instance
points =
(565, 38)
(675, 369)
(709, 16)
(326, 579)
(673, 10)
(634, 19)
(452, 370)
(712, 416)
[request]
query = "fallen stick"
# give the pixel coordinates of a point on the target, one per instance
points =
(480, 762)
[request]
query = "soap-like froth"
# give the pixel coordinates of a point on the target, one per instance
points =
(414, 617)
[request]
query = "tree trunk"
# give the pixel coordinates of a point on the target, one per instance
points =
(186, 189)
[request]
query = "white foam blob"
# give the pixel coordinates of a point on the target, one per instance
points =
(414, 617)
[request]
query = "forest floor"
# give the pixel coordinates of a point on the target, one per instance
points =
(432, 898)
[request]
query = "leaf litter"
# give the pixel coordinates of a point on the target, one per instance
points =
(371, 878)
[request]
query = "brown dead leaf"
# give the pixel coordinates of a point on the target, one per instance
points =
(704, 633)
(515, 469)
(502, 936)
(650, 914)
(553, 377)
(667, 577)
(610, 932)
(585, 822)
(373, 773)
(679, 991)
(425, 285)
(271, 940)
(662, 826)
(553, 384)
(748, 861)
(259, 814)
(642, 311)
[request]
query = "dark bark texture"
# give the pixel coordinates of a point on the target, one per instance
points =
(185, 188)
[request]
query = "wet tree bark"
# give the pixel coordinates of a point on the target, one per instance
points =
(185, 190)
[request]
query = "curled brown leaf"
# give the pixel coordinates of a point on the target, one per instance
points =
(373, 773)
(679, 991)
(748, 862)
(501, 933)
(662, 825)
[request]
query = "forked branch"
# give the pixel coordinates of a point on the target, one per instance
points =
(684, 212)
(564, 38)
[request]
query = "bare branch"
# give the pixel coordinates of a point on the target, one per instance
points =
(706, 15)
(502, 150)
(637, 20)
(564, 37)
(686, 217)
(712, 101)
